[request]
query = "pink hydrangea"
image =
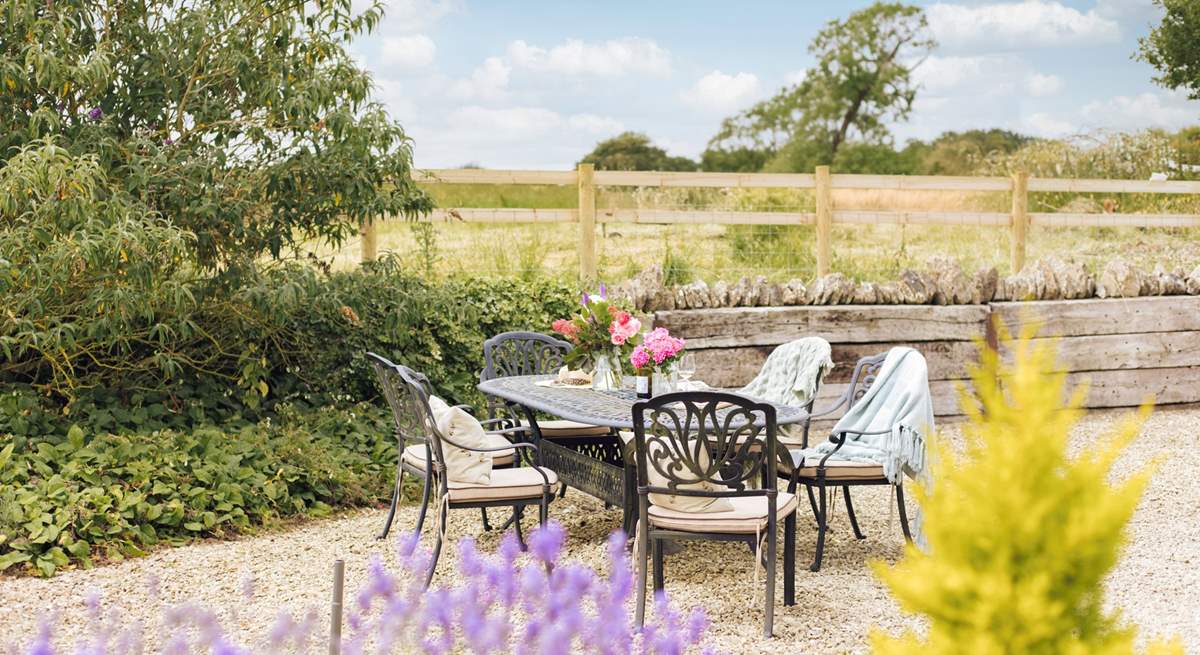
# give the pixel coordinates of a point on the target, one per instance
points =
(657, 346)
(640, 357)
(623, 328)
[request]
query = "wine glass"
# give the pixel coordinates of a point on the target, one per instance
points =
(686, 369)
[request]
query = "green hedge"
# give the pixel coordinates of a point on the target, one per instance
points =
(283, 421)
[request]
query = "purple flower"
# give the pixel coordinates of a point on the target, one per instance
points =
(42, 642)
(546, 541)
(95, 113)
(168, 141)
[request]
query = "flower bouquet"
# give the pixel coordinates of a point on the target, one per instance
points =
(604, 334)
(655, 357)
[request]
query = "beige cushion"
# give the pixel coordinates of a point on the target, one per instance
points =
(835, 469)
(747, 514)
(561, 429)
(414, 455)
(677, 502)
(506, 484)
(456, 425)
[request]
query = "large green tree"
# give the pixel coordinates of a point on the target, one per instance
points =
(633, 151)
(1173, 47)
(245, 122)
(861, 81)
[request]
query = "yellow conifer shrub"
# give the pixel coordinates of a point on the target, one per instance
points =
(1021, 534)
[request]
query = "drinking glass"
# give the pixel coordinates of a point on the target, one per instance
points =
(686, 368)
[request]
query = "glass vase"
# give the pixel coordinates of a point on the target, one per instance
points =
(606, 376)
(665, 381)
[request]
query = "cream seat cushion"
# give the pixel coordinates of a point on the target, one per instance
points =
(561, 428)
(456, 425)
(677, 502)
(747, 514)
(414, 454)
(835, 469)
(505, 484)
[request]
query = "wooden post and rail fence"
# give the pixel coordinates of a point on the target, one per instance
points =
(1018, 221)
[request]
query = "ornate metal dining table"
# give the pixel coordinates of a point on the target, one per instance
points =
(599, 465)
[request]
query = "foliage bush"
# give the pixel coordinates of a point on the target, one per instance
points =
(1021, 535)
(90, 495)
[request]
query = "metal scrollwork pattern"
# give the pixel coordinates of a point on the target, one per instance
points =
(865, 374)
(700, 438)
(410, 415)
(523, 353)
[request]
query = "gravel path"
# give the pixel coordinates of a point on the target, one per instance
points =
(1157, 584)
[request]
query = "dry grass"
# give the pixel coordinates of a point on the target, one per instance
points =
(710, 252)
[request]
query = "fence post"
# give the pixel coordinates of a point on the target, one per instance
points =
(370, 239)
(335, 609)
(1020, 220)
(587, 224)
(824, 220)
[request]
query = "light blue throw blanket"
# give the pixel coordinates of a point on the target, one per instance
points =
(897, 403)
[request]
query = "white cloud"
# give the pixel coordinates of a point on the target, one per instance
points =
(1170, 111)
(509, 124)
(1131, 9)
(489, 81)
(411, 15)
(411, 51)
(720, 93)
(1019, 25)
(596, 124)
(576, 57)
(1044, 125)
(937, 74)
(1039, 85)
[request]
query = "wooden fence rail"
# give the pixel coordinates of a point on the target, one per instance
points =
(822, 182)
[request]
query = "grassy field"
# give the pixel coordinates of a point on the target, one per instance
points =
(711, 252)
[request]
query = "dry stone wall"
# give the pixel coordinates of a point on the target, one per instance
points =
(941, 282)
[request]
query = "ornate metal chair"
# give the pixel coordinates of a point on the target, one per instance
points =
(531, 353)
(828, 473)
(515, 487)
(711, 445)
(412, 445)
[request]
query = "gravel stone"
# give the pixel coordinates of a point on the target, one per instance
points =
(1156, 584)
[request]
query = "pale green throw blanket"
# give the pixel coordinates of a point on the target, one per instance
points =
(899, 403)
(792, 372)
(790, 376)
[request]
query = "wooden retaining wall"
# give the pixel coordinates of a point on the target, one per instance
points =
(1127, 348)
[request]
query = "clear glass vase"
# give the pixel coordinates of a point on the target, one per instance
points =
(665, 381)
(606, 375)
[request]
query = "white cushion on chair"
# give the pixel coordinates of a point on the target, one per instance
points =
(835, 469)
(748, 515)
(456, 425)
(506, 484)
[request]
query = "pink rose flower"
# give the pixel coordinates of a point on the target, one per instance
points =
(623, 328)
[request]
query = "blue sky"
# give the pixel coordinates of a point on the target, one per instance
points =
(535, 84)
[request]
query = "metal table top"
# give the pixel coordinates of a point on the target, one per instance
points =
(613, 409)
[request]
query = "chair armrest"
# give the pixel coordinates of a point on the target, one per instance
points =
(832, 408)
(517, 430)
(839, 438)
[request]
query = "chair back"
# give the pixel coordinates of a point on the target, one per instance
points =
(407, 394)
(698, 437)
(415, 400)
(865, 372)
(522, 353)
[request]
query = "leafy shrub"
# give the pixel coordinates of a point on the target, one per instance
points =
(1021, 535)
(98, 495)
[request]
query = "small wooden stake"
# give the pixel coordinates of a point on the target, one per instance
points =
(335, 615)
(1020, 220)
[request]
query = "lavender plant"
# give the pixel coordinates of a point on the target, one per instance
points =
(534, 603)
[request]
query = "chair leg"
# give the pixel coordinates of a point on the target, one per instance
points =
(902, 512)
(659, 573)
(387, 524)
(822, 526)
(426, 490)
(437, 545)
(517, 512)
(850, 510)
(772, 553)
(544, 509)
(487, 527)
(642, 562)
(562, 490)
(789, 559)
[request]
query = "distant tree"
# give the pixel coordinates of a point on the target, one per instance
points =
(862, 80)
(633, 151)
(734, 160)
(1174, 46)
(960, 153)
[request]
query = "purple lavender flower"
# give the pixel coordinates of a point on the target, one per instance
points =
(546, 542)
(42, 642)
(95, 113)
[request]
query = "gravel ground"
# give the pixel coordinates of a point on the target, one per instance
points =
(1156, 585)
